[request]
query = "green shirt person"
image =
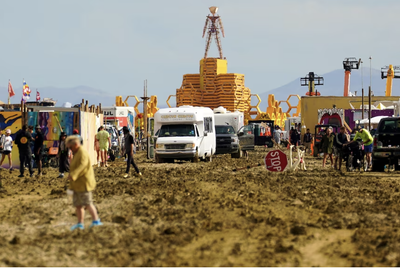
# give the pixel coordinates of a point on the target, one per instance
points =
(368, 141)
(365, 136)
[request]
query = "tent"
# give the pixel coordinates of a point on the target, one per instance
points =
(374, 120)
(380, 106)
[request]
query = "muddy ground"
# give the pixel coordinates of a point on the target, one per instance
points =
(204, 214)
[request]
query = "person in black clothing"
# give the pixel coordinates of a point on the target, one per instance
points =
(38, 149)
(307, 140)
(129, 150)
(294, 137)
(340, 142)
(64, 154)
(31, 145)
(23, 139)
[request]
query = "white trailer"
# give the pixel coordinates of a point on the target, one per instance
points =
(225, 117)
(120, 116)
(184, 132)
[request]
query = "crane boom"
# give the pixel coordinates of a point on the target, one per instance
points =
(390, 72)
(348, 65)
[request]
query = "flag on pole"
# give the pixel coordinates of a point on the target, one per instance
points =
(26, 92)
(37, 95)
(11, 92)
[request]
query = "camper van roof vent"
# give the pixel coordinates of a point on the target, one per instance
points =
(220, 110)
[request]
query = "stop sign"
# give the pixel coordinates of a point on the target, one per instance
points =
(276, 161)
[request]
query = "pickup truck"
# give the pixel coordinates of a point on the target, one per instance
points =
(227, 141)
(386, 147)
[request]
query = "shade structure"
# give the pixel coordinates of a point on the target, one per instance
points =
(374, 120)
(380, 106)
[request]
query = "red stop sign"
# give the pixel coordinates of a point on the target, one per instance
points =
(276, 161)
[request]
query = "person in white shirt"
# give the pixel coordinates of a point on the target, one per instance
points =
(7, 143)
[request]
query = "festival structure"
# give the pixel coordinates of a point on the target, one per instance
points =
(214, 86)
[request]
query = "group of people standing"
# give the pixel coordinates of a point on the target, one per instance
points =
(335, 145)
(27, 141)
(332, 144)
(102, 143)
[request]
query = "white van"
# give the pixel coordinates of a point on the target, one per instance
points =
(184, 133)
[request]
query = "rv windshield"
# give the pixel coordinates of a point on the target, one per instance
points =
(177, 130)
(224, 129)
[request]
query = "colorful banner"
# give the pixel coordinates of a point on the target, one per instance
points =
(51, 123)
(11, 92)
(26, 92)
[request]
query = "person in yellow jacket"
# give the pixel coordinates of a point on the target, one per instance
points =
(82, 183)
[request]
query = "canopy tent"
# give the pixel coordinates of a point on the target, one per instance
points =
(374, 120)
(380, 106)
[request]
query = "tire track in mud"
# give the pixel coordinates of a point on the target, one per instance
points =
(320, 253)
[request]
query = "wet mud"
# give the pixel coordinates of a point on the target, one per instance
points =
(204, 214)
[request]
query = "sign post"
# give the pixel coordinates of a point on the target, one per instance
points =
(276, 161)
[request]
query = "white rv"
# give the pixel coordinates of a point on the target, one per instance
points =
(225, 117)
(184, 132)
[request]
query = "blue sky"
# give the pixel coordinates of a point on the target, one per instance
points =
(115, 45)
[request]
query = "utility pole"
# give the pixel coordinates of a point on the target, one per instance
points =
(145, 99)
(369, 109)
(362, 92)
(369, 93)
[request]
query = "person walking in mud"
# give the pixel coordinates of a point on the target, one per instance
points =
(129, 150)
(31, 145)
(38, 149)
(97, 147)
(367, 141)
(327, 146)
(64, 155)
(23, 141)
(307, 140)
(277, 136)
(104, 143)
(7, 143)
(294, 138)
(340, 142)
(82, 183)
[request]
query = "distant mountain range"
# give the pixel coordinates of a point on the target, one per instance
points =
(334, 84)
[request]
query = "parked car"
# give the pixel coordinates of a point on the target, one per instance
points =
(386, 147)
(227, 141)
